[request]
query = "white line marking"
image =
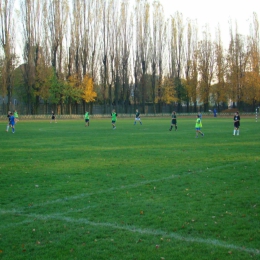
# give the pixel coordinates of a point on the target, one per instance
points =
(188, 239)
(83, 195)
(127, 228)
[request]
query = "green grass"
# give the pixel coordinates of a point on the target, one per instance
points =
(137, 192)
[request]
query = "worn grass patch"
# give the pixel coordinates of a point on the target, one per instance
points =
(136, 192)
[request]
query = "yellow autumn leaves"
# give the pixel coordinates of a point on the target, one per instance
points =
(83, 88)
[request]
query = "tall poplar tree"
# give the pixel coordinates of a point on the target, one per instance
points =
(7, 39)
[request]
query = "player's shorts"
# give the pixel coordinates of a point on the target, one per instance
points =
(137, 119)
(197, 128)
(53, 117)
(236, 125)
(174, 122)
(113, 121)
(86, 120)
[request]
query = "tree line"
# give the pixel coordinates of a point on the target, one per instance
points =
(116, 53)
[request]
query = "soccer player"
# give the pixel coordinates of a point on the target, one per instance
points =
(16, 117)
(198, 125)
(174, 121)
(114, 115)
(236, 123)
(53, 117)
(137, 117)
(9, 121)
(87, 118)
(12, 121)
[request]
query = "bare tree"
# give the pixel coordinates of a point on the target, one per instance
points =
(7, 39)
(237, 62)
(252, 76)
(188, 62)
(105, 50)
(141, 56)
(32, 12)
(58, 16)
(114, 55)
(176, 53)
(206, 58)
(193, 70)
(89, 31)
(126, 33)
(94, 27)
(219, 91)
(158, 39)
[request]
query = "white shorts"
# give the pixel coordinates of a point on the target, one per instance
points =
(137, 119)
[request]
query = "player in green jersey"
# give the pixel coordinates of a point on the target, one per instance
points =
(87, 118)
(114, 115)
(16, 117)
(174, 121)
(198, 126)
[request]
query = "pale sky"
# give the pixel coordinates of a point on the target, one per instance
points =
(214, 12)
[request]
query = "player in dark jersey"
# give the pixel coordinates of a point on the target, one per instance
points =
(53, 117)
(137, 117)
(236, 123)
(9, 121)
(174, 121)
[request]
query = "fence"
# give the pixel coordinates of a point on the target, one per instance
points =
(122, 115)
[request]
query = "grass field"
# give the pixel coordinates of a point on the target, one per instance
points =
(136, 192)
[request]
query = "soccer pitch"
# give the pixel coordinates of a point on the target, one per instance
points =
(137, 192)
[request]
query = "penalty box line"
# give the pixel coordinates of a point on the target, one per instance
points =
(135, 185)
(145, 231)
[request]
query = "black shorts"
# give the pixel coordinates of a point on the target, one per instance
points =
(174, 122)
(236, 124)
(86, 120)
(53, 117)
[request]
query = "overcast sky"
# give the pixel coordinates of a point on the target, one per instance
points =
(215, 12)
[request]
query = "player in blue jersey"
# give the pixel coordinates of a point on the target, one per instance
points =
(12, 122)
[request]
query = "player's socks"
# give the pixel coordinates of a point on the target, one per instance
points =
(234, 132)
(170, 128)
(175, 127)
(140, 123)
(135, 123)
(7, 128)
(237, 132)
